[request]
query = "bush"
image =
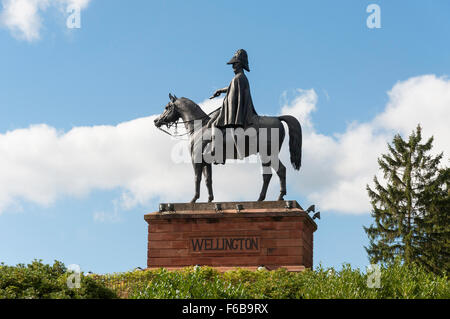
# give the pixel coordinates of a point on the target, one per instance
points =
(397, 281)
(40, 281)
(37, 280)
(204, 283)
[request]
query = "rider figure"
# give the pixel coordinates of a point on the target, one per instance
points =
(237, 108)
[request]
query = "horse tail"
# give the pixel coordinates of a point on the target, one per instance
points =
(295, 139)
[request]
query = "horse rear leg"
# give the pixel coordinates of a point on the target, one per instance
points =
(267, 175)
(207, 173)
(281, 172)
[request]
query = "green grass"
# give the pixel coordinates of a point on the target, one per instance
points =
(397, 281)
(38, 281)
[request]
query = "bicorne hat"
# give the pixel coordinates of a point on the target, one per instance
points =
(240, 56)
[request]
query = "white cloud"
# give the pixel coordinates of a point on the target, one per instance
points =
(336, 169)
(24, 17)
(40, 164)
(425, 100)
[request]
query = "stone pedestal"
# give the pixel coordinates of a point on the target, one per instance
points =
(240, 234)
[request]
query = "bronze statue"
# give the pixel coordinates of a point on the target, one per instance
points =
(246, 132)
(237, 109)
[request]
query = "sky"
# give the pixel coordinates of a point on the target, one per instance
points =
(81, 161)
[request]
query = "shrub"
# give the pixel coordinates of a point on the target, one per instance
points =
(203, 283)
(397, 281)
(40, 281)
(37, 280)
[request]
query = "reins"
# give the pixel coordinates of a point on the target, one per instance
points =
(169, 125)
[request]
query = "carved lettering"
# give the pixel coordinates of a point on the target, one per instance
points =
(231, 244)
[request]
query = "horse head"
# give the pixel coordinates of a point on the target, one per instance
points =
(170, 115)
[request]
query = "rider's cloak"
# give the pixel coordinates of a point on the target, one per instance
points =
(237, 108)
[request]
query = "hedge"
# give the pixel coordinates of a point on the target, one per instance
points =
(39, 281)
(396, 281)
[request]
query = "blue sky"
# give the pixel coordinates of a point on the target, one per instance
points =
(351, 87)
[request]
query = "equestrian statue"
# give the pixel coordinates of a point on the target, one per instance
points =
(236, 128)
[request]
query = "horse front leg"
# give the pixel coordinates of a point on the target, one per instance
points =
(198, 179)
(207, 172)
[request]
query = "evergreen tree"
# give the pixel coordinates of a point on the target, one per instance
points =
(434, 227)
(412, 211)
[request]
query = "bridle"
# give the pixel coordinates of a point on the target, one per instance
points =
(173, 108)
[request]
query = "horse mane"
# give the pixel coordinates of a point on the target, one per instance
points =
(194, 106)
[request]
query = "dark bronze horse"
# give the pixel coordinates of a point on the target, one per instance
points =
(263, 142)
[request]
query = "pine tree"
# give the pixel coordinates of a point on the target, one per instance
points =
(411, 212)
(434, 227)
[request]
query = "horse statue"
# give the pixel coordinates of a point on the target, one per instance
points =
(267, 146)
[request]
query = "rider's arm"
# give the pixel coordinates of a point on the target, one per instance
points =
(218, 92)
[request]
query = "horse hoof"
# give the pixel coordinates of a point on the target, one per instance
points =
(261, 198)
(210, 199)
(194, 200)
(282, 194)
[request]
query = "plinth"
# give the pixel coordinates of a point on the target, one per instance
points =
(231, 234)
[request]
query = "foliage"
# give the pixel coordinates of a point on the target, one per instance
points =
(433, 240)
(40, 281)
(191, 283)
(397, 281)
(411, 212)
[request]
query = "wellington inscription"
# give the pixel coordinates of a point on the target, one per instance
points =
(232, 244)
